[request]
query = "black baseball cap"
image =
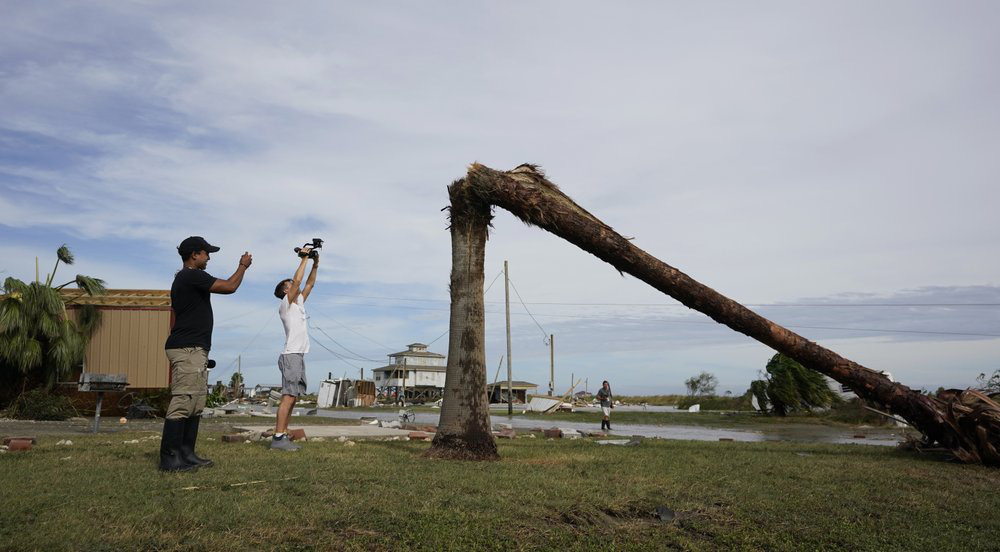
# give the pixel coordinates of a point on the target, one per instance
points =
(193, 245)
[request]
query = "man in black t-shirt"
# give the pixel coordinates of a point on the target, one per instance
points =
(187, 349)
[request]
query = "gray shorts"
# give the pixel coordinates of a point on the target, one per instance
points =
(293, 374)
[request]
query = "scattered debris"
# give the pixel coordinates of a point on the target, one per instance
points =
(620, 442)
(64, 443)
(859, 435)
(554, 433)
(570, 433)
(318, 439)
(131, 442)
(803, 454)
(419, 436)
(66, 458)
(634, 441)
(342, 439)
(507, 433)
(297, 434)
(234, 438)
(256, 482)
(349, 443)
(726, 439)
(694, 408)
(664, 514)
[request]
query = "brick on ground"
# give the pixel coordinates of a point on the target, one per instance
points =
(7, 440)
(19, 444)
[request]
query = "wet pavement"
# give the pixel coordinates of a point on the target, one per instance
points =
(802, 433)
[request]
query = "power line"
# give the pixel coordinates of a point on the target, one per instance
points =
(495, 278)
(678, 305)
(325, 317)
(358, 356)
(545, 334)
(251, 342)
(335, 353)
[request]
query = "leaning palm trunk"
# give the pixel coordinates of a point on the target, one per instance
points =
(464, 430)
(967, 425)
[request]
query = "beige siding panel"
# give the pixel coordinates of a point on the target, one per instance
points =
(130, 342)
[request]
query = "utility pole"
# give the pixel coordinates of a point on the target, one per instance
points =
(552, 364)
(239, 370)
(510, 382)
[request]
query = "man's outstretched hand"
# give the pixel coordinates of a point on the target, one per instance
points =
(246, 260)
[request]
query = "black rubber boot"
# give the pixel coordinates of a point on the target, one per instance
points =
(170, 447)
(188, 442)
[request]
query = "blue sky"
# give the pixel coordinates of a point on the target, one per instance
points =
(837, 156)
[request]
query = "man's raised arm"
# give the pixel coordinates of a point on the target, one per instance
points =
(312, 277)
(296, 286)
(231, 284)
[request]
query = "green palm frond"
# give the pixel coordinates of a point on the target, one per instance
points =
(12, 314)
(89, 320)
(66, 351)
(91, 286)
(20, 351)
(50, 326)
(14, 287)
(65, 255)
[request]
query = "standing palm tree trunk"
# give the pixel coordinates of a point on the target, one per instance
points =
(464, 430)
(968, 425)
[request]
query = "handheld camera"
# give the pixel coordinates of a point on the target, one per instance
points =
(316, 245)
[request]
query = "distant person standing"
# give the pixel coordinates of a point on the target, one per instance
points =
(291, 362)
(604, 395)
(187, 350)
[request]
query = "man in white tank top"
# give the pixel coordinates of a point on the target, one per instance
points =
(291, 362)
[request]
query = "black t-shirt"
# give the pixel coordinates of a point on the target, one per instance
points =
(192, 303)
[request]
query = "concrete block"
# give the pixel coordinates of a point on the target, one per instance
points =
(554, 433)
(419, 436)
(297, 434)
(234, 438)
(507, 433)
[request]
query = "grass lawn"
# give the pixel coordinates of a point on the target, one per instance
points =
(103, 494)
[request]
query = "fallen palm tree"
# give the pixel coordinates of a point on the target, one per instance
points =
(967, 425)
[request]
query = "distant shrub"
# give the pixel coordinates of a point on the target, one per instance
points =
(717, 403)
(853, 412)
(654, 400)
(39, 405)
